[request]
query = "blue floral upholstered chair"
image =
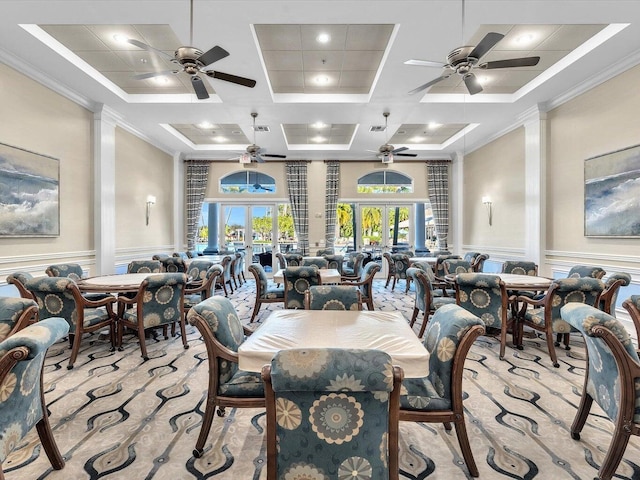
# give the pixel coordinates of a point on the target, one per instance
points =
(158, 303)
(264, 292)
(60, 297)
(454, 266)
(579, 271)
(160, 256)
(198, 290)
(293, 259)
(225, 279)
(223, 333)
(353, 265)
(173, 265)
(520, 268)
(319, 262)
(612, 286)
(297, 280)
(611, 379)
(437, 398)
(400, 263)
(22, 404)
(391, 269)
(237, 274)
(197, 271)
(425, 301)
(632, 305)
(324, 423)
(333, 297)
(144, 266)
(324, 251)
(19, 280)
(365, 283)
(335, 261)
(485, 296)
(16, 314)
(68, 270)
(545, 314)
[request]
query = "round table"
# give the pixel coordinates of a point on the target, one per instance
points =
(128, 282)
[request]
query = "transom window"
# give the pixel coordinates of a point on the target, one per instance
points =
(247, 182)
(385, 182)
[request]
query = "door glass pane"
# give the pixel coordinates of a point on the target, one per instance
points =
(262, 235)
(345, 229)
(373, 236)
(399, 223)
(234, 227)
(287, 239)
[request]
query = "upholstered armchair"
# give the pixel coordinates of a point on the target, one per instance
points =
(520, 268)
(223, 333)
(225, 279)
(173, 265)
(319, 262)
(19, 280)
(438, 288)
(485, 296)
(391, 269)
(333, 297)
(60, 297)
(16, 314)
(544, 316)
(400, 263)
(202, 288)
(297, 280)
(586, 271)
(335, 262)
(324, 251)
(612, 286)
(454, 266)
(437, 398)
(264, 293)
(197, 271)
(182, 255)
(160, 256)
(425, 301)
(144, 266)
(293, 259)
(632, 305)
(438, 269)
(22, 404)
(158, 303)
(238, 270)
(611, 379)
(69, 270)
(365, 283)
(353, 266)
(321, 424)
(282, 262)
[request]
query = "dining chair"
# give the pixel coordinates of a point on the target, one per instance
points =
(198, 290)
(454, 266)
(609, 296)
(544, 316)
(437, 398)
(238, 270)
(324, 251)
(391, 268)
(68, 270)
(365, 283)
(439, 273)
(335, 262)
(438, 288)
(478, 262)
(60, 297)
(22, 403)
(353, 265)
(16, 314)
(160, 256)
(282, 262)
(18, 280)
(321, 424)
(520, 268)
(159, 302)
(333, 297)
(425, 301)
(225, 279)
(611, 379)
(485, 296)
(632, 306)
(264, 292)
(173, 265)
(586, 271)
(197, 272)
(223, 333)
(293, 259)
(144, 266)
(319, 262)
(400, 262)
(297, 280)
(182, 255)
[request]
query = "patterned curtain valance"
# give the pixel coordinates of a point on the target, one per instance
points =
(197, 179)
(331, 203)
(298, 197)
(438, 184)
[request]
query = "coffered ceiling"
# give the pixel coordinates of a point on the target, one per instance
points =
(325, 71)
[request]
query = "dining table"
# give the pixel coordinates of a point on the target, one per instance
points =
(327, 276)
(126, 282)
(429, 260)
(364, 329)
(515, 282)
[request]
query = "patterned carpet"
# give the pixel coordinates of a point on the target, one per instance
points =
(117, 417)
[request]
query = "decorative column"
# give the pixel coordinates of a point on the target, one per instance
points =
(212, 240)
(419, 227)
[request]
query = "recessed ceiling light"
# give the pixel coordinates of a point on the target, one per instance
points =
(219, 138)
(162, 80)
(416, 139)
(322, 80)
(323, 38)
(143, 60)
(484, 79)
(118, 37)
(525, 38)
(205, 125)
(434, 125)
(318, 125)
(318, 139)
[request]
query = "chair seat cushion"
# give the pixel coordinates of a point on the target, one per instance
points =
(420, 394)
(440, 301)
(535, 316)
(274, 292)
(243, 384)
(192, 300)
(93, 316)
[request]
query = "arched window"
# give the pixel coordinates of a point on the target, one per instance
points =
(385, 182)
(247, 182)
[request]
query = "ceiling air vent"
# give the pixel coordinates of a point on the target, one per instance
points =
(261, 128)
(377, 128)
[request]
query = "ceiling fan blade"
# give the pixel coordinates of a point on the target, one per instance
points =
(486, 44)
(399, 149)
(259, 159)
(511, 62)
(428, 84)
(213, 55)
(425, 63)
(472, 83)
(405, 154)
(144, 76)
(149, 48)
(227, 77)
(199, 88)
(273, 155)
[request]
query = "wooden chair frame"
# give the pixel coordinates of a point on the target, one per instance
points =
(260, 301)
(369, 280)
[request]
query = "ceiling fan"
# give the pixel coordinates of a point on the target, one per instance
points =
(193, 61)
(254, 153)
(463, 60)
(386, 152)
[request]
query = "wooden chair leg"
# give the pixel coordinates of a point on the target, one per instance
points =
(503, 340)
(48, 441)
(143, 343)
(552, 350)
(581, 415)
(183, 332)
(414, 316)
(77, 338)
(256, 308)
(207, 420)
(467, 454)
(425, 321)
(614, 454)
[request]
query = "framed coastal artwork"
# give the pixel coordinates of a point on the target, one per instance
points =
(29, 193)
(612, 194)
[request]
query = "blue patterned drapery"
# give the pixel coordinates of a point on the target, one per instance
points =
(438, 184)
(197, 178)
(298, 197)
(331, 203)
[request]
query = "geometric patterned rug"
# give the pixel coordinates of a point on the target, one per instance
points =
(115, 416)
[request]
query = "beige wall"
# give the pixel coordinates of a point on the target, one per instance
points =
(496, 170)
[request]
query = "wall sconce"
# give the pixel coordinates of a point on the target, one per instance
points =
(151, 200)
(486, 200)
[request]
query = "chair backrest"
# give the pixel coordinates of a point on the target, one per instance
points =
(69, 270)
(282, 262)
(335, 262)
(609, 296)
(324, 251)
(262, 281)
(336, 425)
(57, 297)
(174, 265)
(470, 256)
(226, 269)
(217, 321)
(567, 290)
(391, 266)
(632, 305)
(22, 358)
(238, 267)
(454, 266)
(191, 253)
(426, 268)
(319, 262)
(438, 270)
(144, 266)
(400, 262)
(478, 262)
(354, 263)
(366, 278)
(182, 255)
(159, 256)
(206, 288)
(293, 259)
(15, 314)
(606, 383)
(197, 270)
(484, 295)
(297, 280)
(18, 280)
(423, 300)
(161, 298)
(333, 297)
(520, 268)
(586, 271)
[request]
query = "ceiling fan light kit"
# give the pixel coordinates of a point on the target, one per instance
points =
(386, 151)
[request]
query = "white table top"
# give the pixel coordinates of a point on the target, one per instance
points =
(327, 275)
(128, 282)
(517, 282)
(210, 258)
(387, 331)
(431, 260)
